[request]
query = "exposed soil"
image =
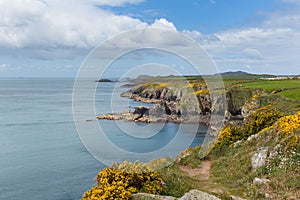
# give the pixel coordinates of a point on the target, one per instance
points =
(202, 172)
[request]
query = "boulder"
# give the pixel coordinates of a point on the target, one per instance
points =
(251, 137)
(237, 143)
(191, 195)
(141, 110)
(236, 197)
(110, 116)
(260, 181)
(227, 115)
(259, 158)
(144, 196)
(198, 195)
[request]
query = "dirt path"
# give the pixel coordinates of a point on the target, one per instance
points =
(202, 172)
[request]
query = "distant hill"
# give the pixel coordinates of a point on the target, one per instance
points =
(230, 73)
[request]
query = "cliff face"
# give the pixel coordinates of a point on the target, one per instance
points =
(237, 98)
(178, 100)
(171, 104)
(183, 101)
(183, 104)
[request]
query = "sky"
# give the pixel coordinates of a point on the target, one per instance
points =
(52, 38)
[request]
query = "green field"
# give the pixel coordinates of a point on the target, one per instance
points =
(273, 85)
(287, 88)
(292, 94)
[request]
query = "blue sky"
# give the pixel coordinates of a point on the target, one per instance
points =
(206, 16)
(52, 38)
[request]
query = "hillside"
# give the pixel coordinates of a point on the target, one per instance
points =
(255, 156)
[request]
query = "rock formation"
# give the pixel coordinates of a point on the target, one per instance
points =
(182, 105)
(191, 195)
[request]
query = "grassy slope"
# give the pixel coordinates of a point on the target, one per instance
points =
(231, 172)
(283, 94)
(292, 94)
(273, 85)
(287, 88)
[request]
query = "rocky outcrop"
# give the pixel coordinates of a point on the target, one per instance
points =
(157, 113)
(191, 195)
(198, 195)
(260, 181)
(182, 105)
(144, 196)
(176, 98)
(236, 99)
(236, 198)
(104, 80)
(259, 158)
(176, 105)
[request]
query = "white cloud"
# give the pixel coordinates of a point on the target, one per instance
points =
(252, 53)
(51, 29)
(193, 34)
(283, 19)
(115, 2)
(266, 49)
(272, 46)
(55, 24)
(163, 23)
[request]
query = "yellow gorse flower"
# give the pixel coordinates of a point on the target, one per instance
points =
(121, 180)
(288, 124)
(198, 92)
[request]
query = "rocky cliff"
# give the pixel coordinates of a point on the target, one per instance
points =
(182, 104)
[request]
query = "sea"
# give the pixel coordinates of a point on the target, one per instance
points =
(41, 153)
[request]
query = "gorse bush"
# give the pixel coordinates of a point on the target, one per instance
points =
(288, 124)
(232, 167)
(111, 184)
(229, 135)
(288, 128)
(255, 123)
(199, 92)
(261, 120)
(121, 180)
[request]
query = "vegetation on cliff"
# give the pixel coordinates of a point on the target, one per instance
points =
(281, 168)
(256, 156)
(121, 180)
(232, 171)
(256, 122)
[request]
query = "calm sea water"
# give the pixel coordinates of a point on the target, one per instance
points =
(41, 155)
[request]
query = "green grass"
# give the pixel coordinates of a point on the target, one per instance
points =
(287, 88)
(231, 172)
(292, 93)
(283, 94)
(273, 85)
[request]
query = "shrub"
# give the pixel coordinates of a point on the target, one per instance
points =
(121, 180)
(255, 123)
(199, 92)
(162, 85)
(261, 120)
(288, 124)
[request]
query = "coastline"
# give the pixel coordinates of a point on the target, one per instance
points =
(256, 132)
(165, 105)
